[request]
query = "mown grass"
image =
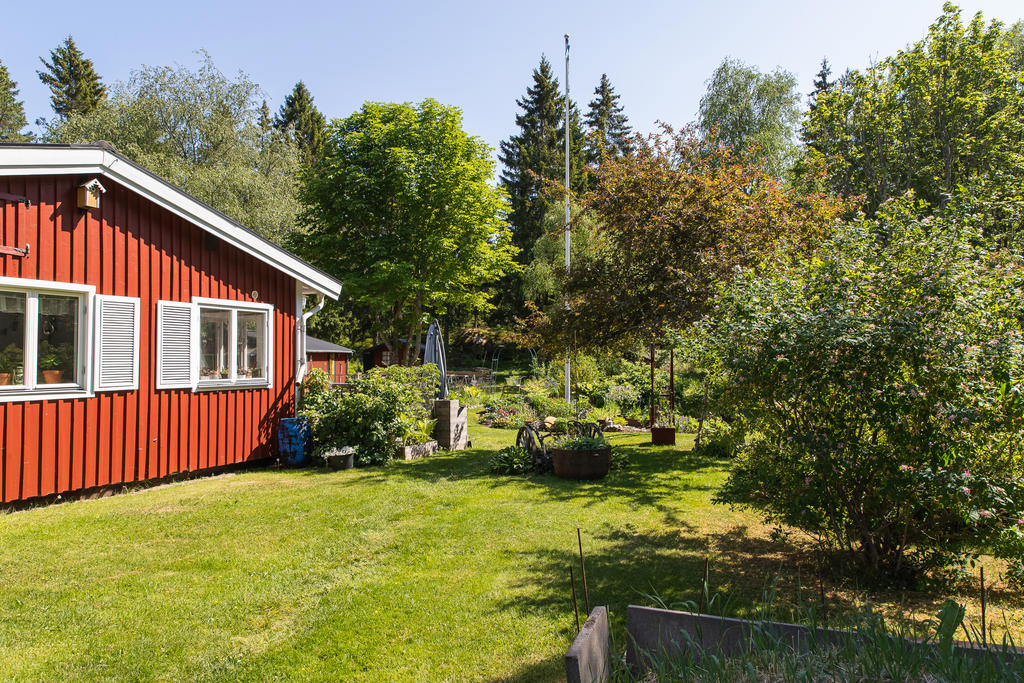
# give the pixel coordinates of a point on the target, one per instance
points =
(429, 570)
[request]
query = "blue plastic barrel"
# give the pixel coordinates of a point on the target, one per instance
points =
(293, 437)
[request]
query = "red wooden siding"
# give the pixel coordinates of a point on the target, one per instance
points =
(334, 364)
(132, 247)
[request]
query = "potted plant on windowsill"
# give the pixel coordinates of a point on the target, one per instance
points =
(52, 362)
(10, 359)
(582, 458)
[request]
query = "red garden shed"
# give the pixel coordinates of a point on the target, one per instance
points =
(331, 358)
(142, 333)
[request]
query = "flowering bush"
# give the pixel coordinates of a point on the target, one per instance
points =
(882, 378)
(507, 411)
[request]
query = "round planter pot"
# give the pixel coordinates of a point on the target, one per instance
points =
(589, 464)
(663, 436)
(53, 376)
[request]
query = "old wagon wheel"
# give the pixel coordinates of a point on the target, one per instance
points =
(530, 439)
(589, 430)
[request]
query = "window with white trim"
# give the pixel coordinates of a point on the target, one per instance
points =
(233, 345)
(214, 344)
(44, 343)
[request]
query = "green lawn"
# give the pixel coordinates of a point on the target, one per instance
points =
(430, 570)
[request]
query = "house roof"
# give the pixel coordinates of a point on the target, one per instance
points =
(320, 346)
(101, 159)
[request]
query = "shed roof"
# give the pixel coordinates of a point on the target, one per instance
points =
(101, 159)
(320, 346)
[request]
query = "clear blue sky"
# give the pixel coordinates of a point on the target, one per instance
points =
(476, 55)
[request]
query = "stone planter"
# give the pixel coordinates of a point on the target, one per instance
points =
(416, 451)
(341, 458)
(589, 464)
(663, 436)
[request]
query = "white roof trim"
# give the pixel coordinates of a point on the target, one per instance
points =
(87, 159)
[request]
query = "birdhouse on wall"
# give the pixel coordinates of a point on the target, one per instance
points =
(89, 194)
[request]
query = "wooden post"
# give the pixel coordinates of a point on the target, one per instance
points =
(672, 387)
(653, 409)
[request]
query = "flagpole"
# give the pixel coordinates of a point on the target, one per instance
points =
(568, 387)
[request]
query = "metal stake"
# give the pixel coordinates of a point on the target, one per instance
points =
(583, 570)
(575, 609)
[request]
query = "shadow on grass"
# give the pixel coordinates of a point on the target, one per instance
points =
(652, 475)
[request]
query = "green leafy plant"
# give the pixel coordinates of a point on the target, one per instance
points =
(11, 357)
(512, 460)
(718, 439)
(883, 379)
(582, 443)
(369, 417)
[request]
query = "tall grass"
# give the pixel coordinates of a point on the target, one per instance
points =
(871, 650)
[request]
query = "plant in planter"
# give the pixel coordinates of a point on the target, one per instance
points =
(10, 359)
(224, 373)
(53, 360)
(582, 458)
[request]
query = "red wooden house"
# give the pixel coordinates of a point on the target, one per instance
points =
(142, 333)
(331, 358)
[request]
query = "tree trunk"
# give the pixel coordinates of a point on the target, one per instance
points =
(415, 332)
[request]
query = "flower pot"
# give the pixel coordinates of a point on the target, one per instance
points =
(5, 378)
(593, 463)
(53, 376)
(663, 436)
(341, 458)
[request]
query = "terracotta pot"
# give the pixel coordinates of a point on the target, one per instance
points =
(53, 376)
(663, 436)
(5, 378)
(589, 464)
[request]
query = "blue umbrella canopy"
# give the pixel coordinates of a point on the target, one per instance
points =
(433, 352)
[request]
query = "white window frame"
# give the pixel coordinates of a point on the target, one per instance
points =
(32, 390)
(232, 382)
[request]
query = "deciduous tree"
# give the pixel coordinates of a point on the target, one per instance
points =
(944, 118)
(748, 110)
(401, 208)
(672, 220)
(201, 131)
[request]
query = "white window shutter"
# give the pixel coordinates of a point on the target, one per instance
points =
(176, 330)
(116, 366)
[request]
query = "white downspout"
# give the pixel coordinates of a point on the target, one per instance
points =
(300, 372)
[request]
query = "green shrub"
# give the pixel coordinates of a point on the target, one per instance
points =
(370, 416)
(550, 407)
(884, 381)
(512, 460)
(718, 439)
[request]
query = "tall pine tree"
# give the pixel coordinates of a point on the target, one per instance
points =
(300, 115)
(608, 130)
(12, 110)
(822, 85)
(537, 154)
(74, 85)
